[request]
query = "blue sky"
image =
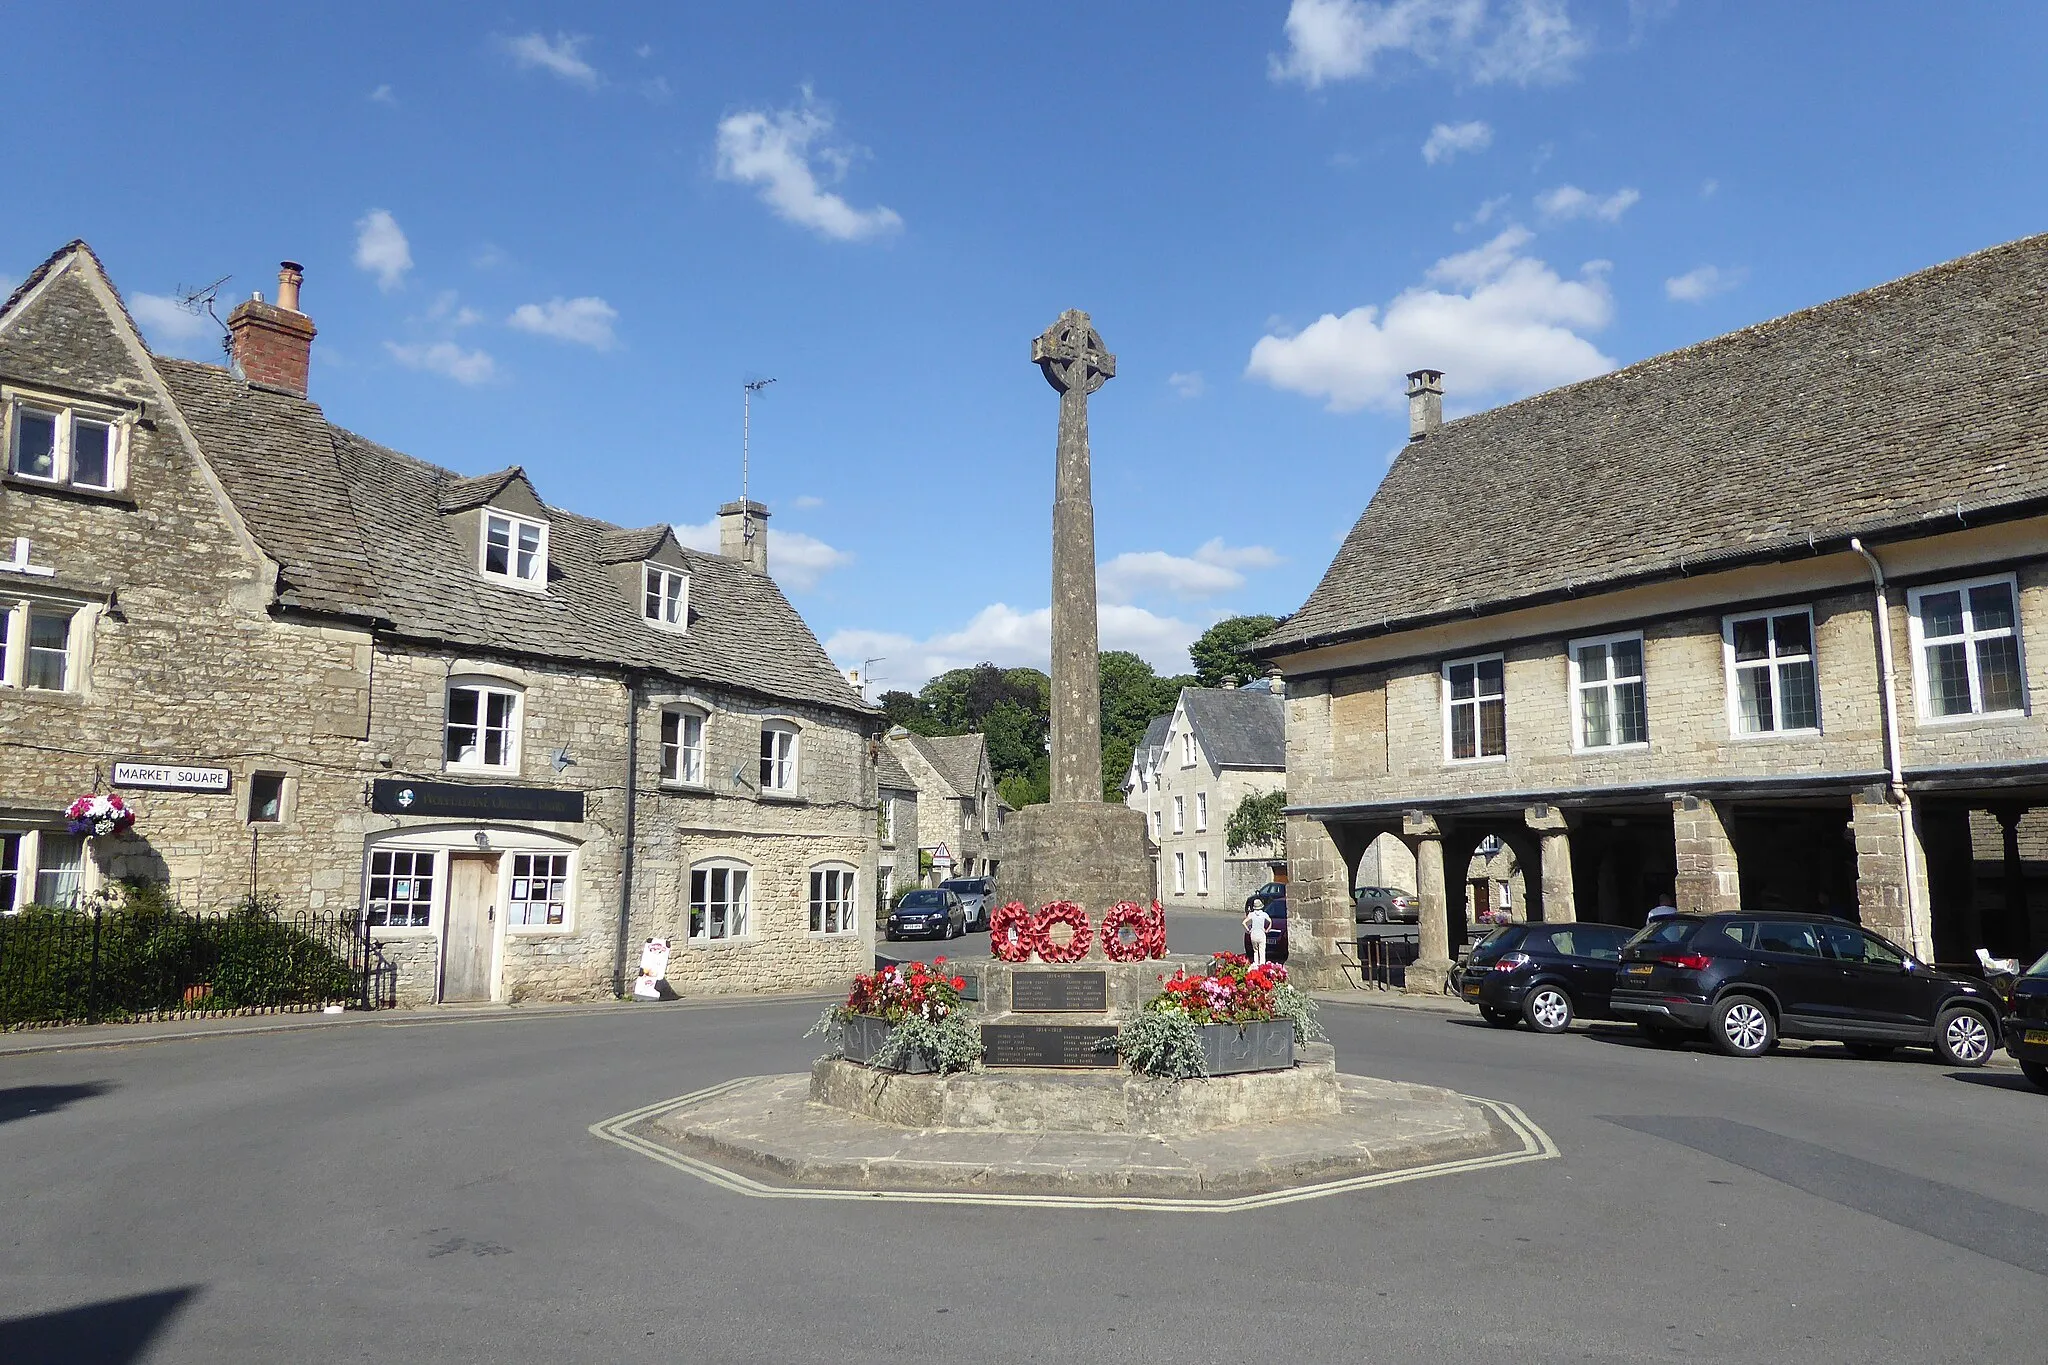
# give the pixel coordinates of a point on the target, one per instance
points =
(564, 236)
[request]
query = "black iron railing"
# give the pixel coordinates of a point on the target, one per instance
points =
(102, 965)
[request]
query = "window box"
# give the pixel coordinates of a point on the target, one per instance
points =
(1967, 661)
(1228, 1049)
(864, 1035)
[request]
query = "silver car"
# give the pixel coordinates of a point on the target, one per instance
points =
(977, 894)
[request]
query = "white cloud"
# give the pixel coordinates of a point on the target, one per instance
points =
(1702, 283)
(382, 95)
(381, 248)
(445, 358)
(449, 310)
(1709, 188)
(1212, 571)
(562, 55)
(166, 321)
(585, 321)
(773, 151)
(1500, 324)
(1522, 42)
(1569, 201)
(1484, 214)
(1009, 638)
(1187, 383)
(1447, 140)
(795, 560)
(806, 502)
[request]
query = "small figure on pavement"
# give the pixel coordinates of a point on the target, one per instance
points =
(1256, 923)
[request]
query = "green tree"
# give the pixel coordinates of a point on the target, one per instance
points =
(1132, 694)
(1219, 652)
(907, 710)
(1257, 822)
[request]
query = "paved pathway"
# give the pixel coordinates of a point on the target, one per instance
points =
(425, 1188)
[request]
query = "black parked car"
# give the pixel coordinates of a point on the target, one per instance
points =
(1382, 903)
(2026, 1028)
(977, 894)
(1543, 974)
(1273, 896)
(1748, 979)
(927, 914)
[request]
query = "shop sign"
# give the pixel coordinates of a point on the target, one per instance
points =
(459, 801)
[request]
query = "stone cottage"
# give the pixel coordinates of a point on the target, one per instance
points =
(958, 811)
(515, 741)
(1195, 764)
(1758, 622)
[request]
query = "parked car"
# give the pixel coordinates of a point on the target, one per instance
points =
(977, 894)
(1269, 892)
(934, 913)
(2026, 1028)
(1748, 979)
(1543, 974)
(1276, 932)
(1379, 904)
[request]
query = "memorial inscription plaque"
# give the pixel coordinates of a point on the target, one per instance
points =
(1066, 1045)
(1059, 992)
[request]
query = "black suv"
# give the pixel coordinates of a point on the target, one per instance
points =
(2026, 1030)
(1748, 979)
(1544, 974)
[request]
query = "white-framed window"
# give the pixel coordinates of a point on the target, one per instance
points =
(66, 445)
(515, 550)
(1180, 874)
(1966, 649)
(10, 871)
(666, 599)
(1607, 689)
(1201, 812)
(885, 887)
(888, 829)
(1180, 814)
(482, 729)
(540, 890)
(832, 900)
(778, 757)
(1187, 750)
(682, 746)
(1202, 872)
(1475, 709)
(401, 891)
(37, 645)
(1772, 685)
(60, 868)
(719, 901)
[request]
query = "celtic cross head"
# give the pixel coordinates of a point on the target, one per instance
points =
(1071, 355)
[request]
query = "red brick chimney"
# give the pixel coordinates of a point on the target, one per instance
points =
(273, 342)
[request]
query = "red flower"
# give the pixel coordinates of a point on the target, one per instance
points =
(959, 983)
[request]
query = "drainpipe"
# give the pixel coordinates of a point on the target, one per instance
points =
(626, 844)
(1917, 924)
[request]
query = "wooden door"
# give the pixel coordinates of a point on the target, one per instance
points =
(1482, 901)
(472, 926)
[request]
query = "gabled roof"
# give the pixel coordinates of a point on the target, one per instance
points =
(623, 547)
(461, 495)
(362, 530)
(889, 774)
(955, 758)
(1237, 729)
(1887, 413)
(1148, 748)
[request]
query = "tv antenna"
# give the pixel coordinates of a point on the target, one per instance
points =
(750, 388)
(200, 300)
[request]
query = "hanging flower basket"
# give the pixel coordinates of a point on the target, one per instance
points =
(96, 817)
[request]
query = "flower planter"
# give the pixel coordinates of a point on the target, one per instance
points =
(1231, 1048)
(864, 1036)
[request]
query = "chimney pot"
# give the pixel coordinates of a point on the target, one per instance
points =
(743, 533)
(290, 274)
(272, 343)
(1425, 403)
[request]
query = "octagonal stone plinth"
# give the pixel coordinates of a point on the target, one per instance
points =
(1019, 1100)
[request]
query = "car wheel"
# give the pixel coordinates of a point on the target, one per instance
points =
(2036, 1072)
(1743, 1026)
(1872, 1052)
(1379, 914)
(1963, 1037)
(1548, 1009)
(1498, 1017)
(1663, 1035)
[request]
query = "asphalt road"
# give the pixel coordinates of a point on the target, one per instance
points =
(425, 1190)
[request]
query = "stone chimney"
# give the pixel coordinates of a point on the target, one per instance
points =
(272, 343)
(1276, 684)
(1425, 403)
(743, 533)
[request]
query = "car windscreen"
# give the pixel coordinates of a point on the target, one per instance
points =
(1501, 939)
(1668, 932)
(968, 886)
(2040, 968)
(923, 900)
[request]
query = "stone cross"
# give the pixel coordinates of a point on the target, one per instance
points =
(1074, 361)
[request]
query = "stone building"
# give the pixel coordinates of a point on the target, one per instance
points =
(514, 740)
(1218, 746)
(1759, 622)
(959, 813)
(896, 828)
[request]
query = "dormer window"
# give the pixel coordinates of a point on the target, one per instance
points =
(64, 445)
(515, 550)
(666, 601)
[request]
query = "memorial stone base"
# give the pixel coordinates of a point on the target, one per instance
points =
(1088, 852)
